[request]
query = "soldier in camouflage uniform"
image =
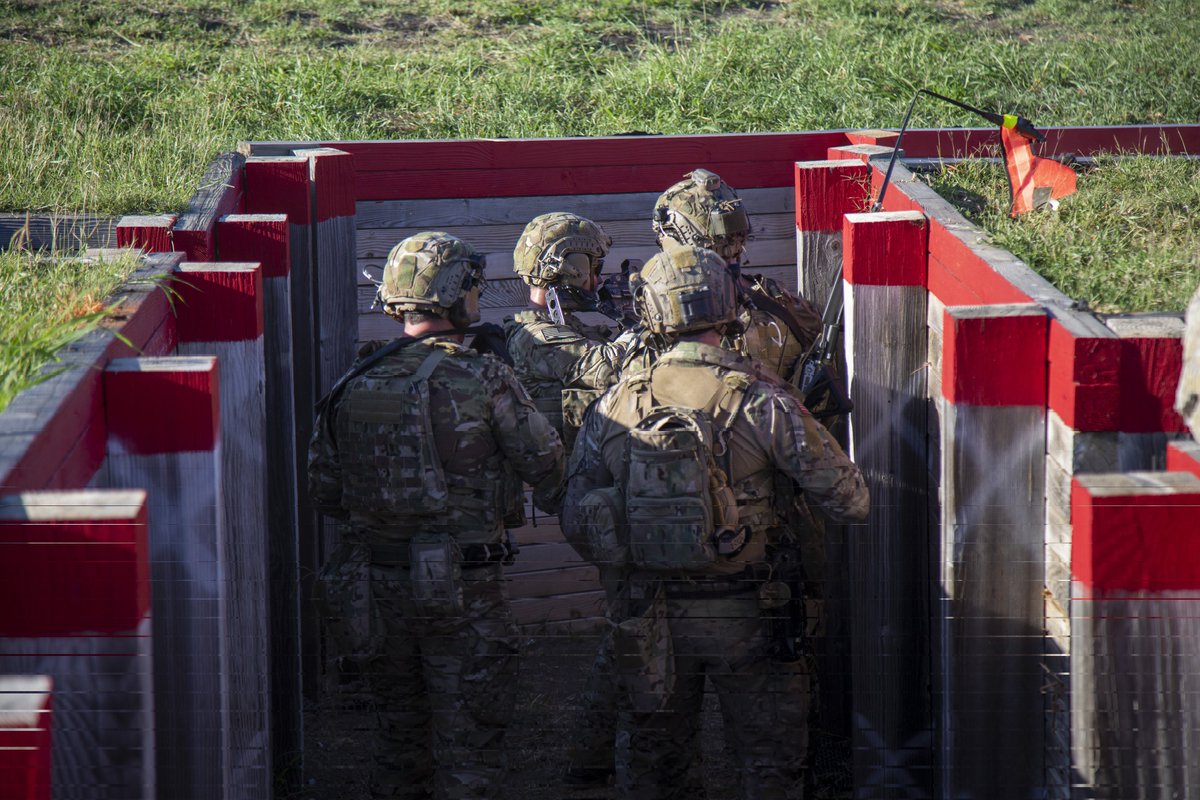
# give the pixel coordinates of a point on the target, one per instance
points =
(412, 451)
(563, 364)
(709, 623)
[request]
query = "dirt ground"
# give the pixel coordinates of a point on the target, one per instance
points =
(554, 668)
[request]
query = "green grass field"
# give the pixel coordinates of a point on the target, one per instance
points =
(46, 305)
(117, 107)
(1127, 240)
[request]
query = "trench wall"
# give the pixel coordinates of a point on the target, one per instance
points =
(1023, 598)
(158, 477)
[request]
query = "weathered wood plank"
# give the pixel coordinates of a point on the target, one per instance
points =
(545, 556)
(557, 581)
(219, 193)
(434, 213)
(542, 610)
(58, 232)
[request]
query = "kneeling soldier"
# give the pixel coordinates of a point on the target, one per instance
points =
(674, 475)
(411, 449)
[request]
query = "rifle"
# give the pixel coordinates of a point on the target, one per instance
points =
(824, 393)
(616, 298)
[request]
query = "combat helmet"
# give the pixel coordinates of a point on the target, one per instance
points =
(702, 210)
(560, 249)
(685, 288)
(430, 272)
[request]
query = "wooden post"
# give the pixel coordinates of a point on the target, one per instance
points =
(163, 418)
(1135, 629)
(221, 314)
(150, 233)
(991, 376)
(825, 190)
(265, 238)
(1151, 362)
(281, 185)
(75, 589)
(1083, 399)
(890, 581)
(25, 736)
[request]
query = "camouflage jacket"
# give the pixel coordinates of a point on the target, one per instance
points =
(483, 425)
(771, 434)
(548, 357)
(766, 337)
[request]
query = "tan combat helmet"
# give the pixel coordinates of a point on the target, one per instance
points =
(705, 211)
(685, 288)
(560, 250)
(430, 272)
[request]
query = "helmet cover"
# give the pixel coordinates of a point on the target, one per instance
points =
(685, 288)
(429, 272)
(552, 248)
(705, 211)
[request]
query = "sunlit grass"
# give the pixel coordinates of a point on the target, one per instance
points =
(118, 108)
(49, 303)
(1128, 240)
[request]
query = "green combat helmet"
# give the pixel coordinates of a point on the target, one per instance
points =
(560, 250)
(430, 272)
(685, 288)
(705, 211)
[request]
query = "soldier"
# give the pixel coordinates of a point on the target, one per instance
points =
(411, 449)
(675, 474)
(778, 328)
(563, 363)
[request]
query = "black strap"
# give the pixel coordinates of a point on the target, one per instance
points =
(775, 308)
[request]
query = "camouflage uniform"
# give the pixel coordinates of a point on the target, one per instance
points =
(714, 623)
(444, 679)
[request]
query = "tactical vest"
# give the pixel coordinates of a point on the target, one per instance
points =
(680, 511)
(384, 433)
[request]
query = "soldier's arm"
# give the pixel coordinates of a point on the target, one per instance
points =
(562, 354)
(324, 469)
(527, 438)
(802, 448)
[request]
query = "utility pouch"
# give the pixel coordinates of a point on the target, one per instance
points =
(644, 656)
(436, 575)
(602, 534)
(574, 403)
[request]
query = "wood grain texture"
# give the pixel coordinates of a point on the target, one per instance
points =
(103, 735)
(61, 232)
(430, 213)
(892, 588)
(992, 579)
(189, 607)
(219, 193)
(537, 612)
(245, 657)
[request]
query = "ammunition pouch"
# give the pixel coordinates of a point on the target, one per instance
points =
(781, 605)
(644, 655)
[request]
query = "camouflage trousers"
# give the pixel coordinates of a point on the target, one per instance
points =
(444, 689)
(764, 706)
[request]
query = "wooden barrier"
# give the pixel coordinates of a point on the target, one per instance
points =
(76, 597)
(57, 232)
(265, 238)
(221, 314)
(825, 191)
(1135, 629)
(281, 184)
(889, 575)
(163, 421)
(1151, 361)
(220, 193)
(25, 736)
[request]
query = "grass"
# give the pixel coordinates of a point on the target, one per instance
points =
(48, 304)
(1126, 241)
(117, 107)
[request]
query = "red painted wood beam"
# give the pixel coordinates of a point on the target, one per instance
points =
(826, 190)
(279, 185)
(220, 302)
(74, 563)
(136, 389)
(1083, 379)
(149, 233)
(26, 703)
(256, 237)
(994, 355)
(1136, 532)
(1184, 456)
(885, 249)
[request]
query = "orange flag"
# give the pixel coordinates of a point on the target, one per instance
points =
(1034, 181)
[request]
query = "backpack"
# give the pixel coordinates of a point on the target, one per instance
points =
(679, 508)
(384, 432)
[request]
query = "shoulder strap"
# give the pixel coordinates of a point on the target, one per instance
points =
(724, 408)
(429, 364)
(775, 308)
